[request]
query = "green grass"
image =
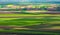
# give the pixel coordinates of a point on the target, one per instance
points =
(29, 15)
(29, 22)
(27, 31)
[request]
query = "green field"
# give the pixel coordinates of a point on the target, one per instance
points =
(30, 23)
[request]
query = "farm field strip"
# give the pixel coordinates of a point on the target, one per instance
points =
(57, 16)
(14, 21)
(29, 15)
(31, 21)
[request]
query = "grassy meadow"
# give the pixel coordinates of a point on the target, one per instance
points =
(30, 23)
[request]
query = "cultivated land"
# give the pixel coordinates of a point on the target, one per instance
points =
(30, 23)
